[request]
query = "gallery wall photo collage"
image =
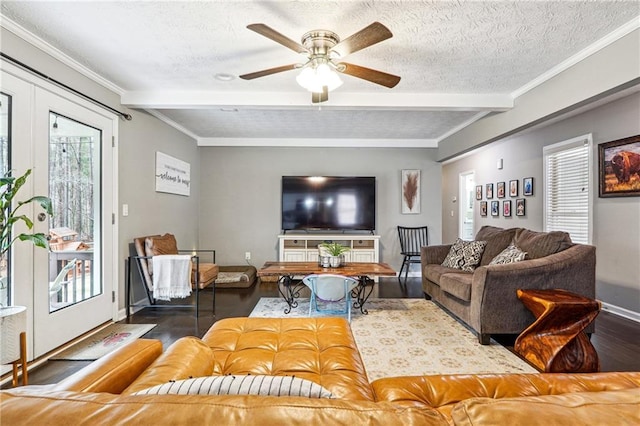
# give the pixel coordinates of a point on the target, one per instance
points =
(506, 196)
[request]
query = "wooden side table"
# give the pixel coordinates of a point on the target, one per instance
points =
(555, 342)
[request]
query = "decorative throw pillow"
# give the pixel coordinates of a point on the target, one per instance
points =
(464, 255)
(511, 254)
(497, 240)
(241, 385)
(541, 244)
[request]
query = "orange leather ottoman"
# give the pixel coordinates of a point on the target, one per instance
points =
(322, 350)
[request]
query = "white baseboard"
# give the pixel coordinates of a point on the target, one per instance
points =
(622, 312)
(122, 313)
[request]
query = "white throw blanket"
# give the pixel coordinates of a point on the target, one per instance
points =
(171, 276)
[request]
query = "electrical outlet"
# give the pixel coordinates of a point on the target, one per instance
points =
(247, 255)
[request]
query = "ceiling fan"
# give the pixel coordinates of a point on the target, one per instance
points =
(323, 48)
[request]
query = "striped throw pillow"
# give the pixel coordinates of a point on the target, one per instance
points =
(241, 385)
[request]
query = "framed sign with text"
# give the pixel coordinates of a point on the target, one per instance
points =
(172, 175)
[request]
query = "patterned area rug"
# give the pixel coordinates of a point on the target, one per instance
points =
(409, 337)
(103, 342)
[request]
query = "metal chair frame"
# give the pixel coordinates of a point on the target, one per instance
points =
(148, 286)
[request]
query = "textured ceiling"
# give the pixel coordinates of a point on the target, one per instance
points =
(164, 56)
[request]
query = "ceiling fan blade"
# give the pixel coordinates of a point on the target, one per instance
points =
(269, 71)
(374, 33)
(374, 76)
(272, 34)
(316, 98)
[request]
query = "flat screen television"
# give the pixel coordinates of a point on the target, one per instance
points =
(328, 203)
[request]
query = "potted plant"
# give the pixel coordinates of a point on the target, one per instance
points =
(9, 215)
(336, 252)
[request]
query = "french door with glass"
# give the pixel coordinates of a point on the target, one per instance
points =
(68, 289)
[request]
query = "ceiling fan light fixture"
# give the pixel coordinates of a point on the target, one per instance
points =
(314, 78)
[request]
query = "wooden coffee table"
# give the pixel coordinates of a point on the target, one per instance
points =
(290, 288)
(555, 342)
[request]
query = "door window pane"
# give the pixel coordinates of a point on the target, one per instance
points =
(5, 165)
(74, 189)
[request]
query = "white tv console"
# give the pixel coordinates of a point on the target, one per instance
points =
(304, 247)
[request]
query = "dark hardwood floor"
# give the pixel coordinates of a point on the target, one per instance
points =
(617, 340)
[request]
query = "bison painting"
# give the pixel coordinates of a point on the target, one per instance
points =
(625, 164)
(620, 167)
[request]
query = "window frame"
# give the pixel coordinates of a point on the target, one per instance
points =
(561, 147)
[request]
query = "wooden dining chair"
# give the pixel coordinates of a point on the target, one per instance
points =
(411, 242)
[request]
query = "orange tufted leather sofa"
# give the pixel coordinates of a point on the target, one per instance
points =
(322, 350)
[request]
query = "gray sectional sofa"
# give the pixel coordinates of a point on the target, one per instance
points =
(485, 298)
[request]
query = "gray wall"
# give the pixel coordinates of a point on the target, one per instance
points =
(152, 212)
(616, 227)
(240, 194)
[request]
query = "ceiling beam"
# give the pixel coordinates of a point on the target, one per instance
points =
(302, 100)
(318, 142)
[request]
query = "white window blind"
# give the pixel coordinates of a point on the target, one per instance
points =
(567, 173)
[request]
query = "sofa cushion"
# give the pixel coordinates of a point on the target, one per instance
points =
(208, 273)
(511, 254)
(26, 406)
(620, 407)
(241, 385)
(186, 357)
(464, 255)
(457, 284)
(497, 240)
(541, 244)
(434, 272)
(322, 350)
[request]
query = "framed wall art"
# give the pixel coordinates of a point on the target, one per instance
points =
(495, 208)
(520, 207)
(506, 208)
(619, 168)
(500, 189)
(483, 208)
(489, 191)
(172, 175)
(478, 192)
(527, 186)
(513, 188)
(410, 191)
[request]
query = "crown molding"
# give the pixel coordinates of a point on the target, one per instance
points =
(57, 54)
(625, 29)
(462, 125)
(172, 123)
